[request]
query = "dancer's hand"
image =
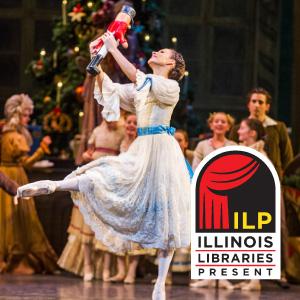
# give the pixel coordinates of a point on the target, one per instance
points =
(87, 156)
(94, 46)
(109, 41)
(47, 140)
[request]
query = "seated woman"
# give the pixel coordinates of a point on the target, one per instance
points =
(141, 198)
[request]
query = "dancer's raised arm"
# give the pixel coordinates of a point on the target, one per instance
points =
(126, 66)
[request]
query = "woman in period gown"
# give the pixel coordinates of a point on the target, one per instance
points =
(24, 248)
(141, 198)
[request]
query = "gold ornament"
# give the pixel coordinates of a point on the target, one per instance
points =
(85, 32)
(57, 121)
(47, 99)
(77, 13)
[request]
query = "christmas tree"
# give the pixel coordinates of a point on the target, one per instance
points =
(59, 76)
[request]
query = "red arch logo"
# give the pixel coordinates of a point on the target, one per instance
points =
(225, 173)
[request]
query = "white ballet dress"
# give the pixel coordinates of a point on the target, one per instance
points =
(140, 198)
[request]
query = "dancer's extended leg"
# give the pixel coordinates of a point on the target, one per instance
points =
(70, 185)
(45, 187)
(164, 260)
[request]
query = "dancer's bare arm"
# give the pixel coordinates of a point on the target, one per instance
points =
(124, 91)
(126, 66)
(100, 78)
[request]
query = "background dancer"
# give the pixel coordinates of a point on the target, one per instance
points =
(251, 134)
(24, 247)
(219, 123)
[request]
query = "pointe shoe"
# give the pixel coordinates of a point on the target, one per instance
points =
(117, 278)
(88, 277)
(129, 279)
(159, 292)
(225, 284)
(204, 283)
(43, 187)
(105, 276)
(252, 285)
(88, 272)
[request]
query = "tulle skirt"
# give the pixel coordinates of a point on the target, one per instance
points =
(139, 199)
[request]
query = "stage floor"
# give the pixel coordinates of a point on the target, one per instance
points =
(13, 287)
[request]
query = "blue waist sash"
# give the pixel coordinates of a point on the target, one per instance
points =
(189, 168)
(158, 129)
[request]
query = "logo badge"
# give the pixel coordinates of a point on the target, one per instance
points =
(235, 216)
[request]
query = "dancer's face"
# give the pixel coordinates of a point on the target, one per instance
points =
(25, 118)
(130, 125)
(258, 106)
(245, 133)
(219, 124)
(162, 57)
(183, 143)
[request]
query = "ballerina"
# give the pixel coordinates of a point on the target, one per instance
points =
(141, 198)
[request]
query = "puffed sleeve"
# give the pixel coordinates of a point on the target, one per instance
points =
(165, 90)
(20, 149)
(17, 146)
(114, 96)
(8, 185)
(27, 161)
